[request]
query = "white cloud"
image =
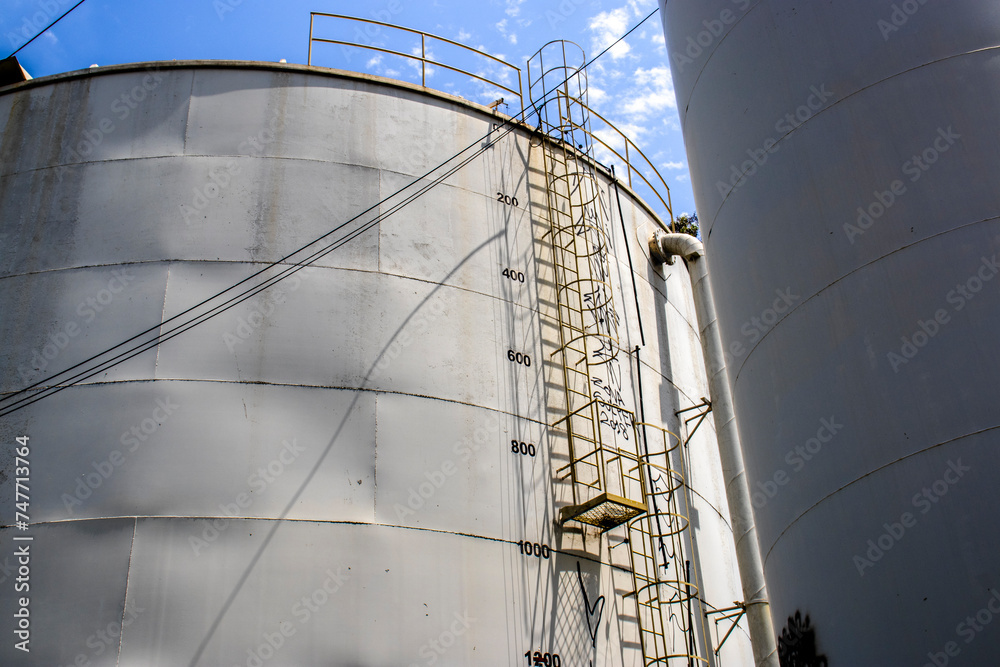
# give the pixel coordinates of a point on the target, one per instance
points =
(607, 27)
(464, 36)
(514, 7)
(657, 94)
(502, 29)
(595, 95)
(683, 178)
(641, 7)
(672, 165)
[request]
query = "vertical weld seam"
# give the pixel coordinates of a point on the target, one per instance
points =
(163, 316)
(128, 576)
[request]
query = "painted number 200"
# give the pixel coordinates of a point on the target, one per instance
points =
(506, 199)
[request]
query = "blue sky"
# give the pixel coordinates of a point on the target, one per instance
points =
(630, 86)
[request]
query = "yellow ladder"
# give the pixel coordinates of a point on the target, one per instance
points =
(661, 559)
(604, 461)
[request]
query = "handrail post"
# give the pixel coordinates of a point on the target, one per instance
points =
(628, 162)
(423, 60)
(312, 19)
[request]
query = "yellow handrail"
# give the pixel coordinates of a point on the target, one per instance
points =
(630, 167)
(422, 58)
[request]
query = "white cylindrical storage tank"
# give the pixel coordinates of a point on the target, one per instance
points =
(356, 466)
(842, 156)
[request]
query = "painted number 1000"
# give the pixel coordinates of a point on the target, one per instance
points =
(535, 549)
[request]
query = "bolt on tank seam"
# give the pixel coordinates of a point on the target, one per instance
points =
(915, 168)
(122, 107)
(797, 457)
(220, 178)
(88, 309)
(138, 436)
(899, 17)
(967, 629)
(303, 610)
(740, 175)
(924, 500)
(259, 481)
(703, 40)
(957, 298)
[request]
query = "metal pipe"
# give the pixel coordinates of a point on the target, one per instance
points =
(663, 247)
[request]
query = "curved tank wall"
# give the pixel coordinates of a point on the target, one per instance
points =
(323, 472)
(843, 156)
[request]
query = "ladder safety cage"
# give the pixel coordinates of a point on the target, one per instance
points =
(618, 477)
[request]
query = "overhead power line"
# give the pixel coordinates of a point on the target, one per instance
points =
(42, 32)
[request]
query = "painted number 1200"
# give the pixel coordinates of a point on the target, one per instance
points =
(544, 659)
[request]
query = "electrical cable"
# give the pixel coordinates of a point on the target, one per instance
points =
(507, 126)
(46, 29)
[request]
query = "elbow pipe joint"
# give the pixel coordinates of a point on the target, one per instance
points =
(663, 247)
